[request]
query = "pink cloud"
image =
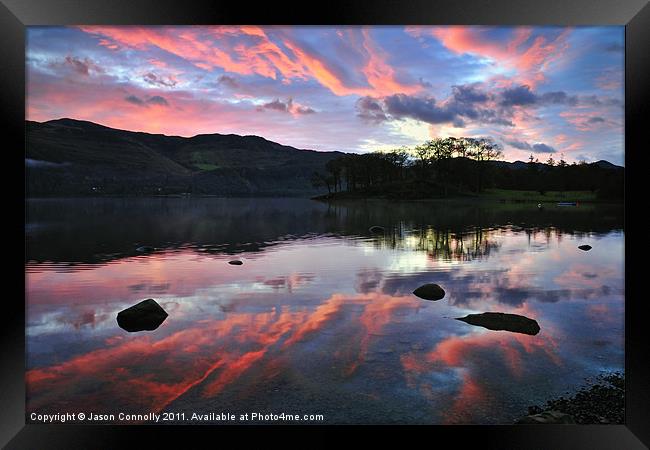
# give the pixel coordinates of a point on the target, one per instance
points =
(588, 120)
(528, 59)
(380, 75)
(223, 47)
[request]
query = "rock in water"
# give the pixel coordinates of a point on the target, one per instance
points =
(546, 417)
(235, 262)
(430, 291)
(146, 315)
(585, 247)
(376, 229)
(503, 322)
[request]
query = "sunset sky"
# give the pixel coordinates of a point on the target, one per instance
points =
(539, 90)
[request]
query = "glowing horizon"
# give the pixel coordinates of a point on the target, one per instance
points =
(536, 90)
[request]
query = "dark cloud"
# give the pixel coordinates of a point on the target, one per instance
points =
(83, 67)
(157, 100)
(469, 93)
(522, 95)
(517, 96)
(521, 145)
(596, 119)
(135, 100)
(228, 81)
(370, 109)
(542, 148)
(157, 80)
(558, 98)
(535, 148)
(466, 103)
(562, 98)
(154, 100)
(482, 114)
(594, 100)
(424, 83)
(424, 109)
(287, 107)
(471, 102)
(277, 105)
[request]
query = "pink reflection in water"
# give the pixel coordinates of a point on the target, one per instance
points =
(474, 355)
(147, 374)
(268, 323)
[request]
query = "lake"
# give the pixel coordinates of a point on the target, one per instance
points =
(320, 318)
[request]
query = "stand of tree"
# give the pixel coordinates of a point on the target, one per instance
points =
(444, 167)
(602, 178)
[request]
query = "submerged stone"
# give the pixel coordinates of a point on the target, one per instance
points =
(430, 291)
(376, 229)
(236, 262)
(585, 247)
(547, 417)
(503, 322)
(146, 315)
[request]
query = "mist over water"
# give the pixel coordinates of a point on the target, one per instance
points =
(320, 318)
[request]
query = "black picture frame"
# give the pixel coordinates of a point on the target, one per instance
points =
(15, 15)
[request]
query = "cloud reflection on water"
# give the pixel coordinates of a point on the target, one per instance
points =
(331, 322)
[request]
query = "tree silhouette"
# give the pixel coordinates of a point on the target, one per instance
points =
(483, 150)
(459, 164)
(321, 180)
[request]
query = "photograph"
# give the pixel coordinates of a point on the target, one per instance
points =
(325, 224)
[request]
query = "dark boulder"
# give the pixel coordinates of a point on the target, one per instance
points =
(585, 247)
(503, 322)
(236, 262)
(554, 417)
(376, 229)
(146, 315)
(430, 291)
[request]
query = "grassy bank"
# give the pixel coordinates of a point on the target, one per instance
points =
(426, 192)
(535, 196)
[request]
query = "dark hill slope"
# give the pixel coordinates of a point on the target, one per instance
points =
(72, 157)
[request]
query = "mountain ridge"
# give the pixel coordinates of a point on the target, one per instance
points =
(72, 157)
(67, 121)
(518, 164)
(77, 157)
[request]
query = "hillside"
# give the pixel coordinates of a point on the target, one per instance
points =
(519, 165)
(73, 157)
(69, 157)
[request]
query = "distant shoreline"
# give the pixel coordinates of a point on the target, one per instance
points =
(490, 195)
(549, 201)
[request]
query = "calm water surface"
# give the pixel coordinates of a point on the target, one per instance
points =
(320, 318)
